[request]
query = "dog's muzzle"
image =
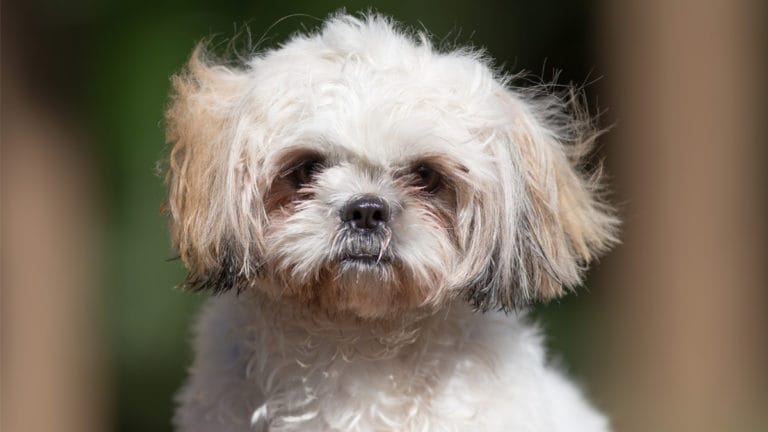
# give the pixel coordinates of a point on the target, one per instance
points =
(365, 232)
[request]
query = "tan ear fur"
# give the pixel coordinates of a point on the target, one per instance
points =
(555, 220)
(566, 221)
(210, 190)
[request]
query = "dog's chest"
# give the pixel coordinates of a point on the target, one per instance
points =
(463, 371)
(442, 379)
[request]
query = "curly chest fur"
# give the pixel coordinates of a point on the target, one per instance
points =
(257, 370)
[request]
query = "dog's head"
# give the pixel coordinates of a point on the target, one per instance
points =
(361, 170)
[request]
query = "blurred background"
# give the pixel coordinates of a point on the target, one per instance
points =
(668, 335)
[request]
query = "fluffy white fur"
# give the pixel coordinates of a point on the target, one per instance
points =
(307, 335)
(258, 364)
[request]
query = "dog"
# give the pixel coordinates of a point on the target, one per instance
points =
(374, 214)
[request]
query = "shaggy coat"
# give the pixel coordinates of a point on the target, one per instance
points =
(321, 325)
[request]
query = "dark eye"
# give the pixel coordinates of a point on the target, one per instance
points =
(428, 179)
(305, 172)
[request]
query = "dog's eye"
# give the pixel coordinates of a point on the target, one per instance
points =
(427, 179)
(305, 171)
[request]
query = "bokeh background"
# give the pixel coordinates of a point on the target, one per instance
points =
(668, 335)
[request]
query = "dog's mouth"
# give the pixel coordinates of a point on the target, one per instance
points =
(360, 250)
(364, 259)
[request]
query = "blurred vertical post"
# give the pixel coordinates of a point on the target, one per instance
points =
(52, 363)
(686, 341)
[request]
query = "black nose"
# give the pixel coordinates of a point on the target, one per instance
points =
(367, 212)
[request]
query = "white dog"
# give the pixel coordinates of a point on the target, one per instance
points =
(374, 213)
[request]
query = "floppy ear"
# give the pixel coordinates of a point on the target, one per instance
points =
(553, 219)
(212, 201)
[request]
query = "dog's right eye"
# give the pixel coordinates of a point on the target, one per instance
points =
(305, 171)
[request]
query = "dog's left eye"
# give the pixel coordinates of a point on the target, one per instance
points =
(305, 172)
(428, 179)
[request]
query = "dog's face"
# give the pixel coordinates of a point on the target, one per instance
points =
(359, 171)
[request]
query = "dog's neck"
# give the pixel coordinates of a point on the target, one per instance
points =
(350, 335)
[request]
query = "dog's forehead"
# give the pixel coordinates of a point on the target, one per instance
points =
(382, 135)
(387, 116)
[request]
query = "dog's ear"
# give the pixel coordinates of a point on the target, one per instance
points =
(212, 202)
(552, 215)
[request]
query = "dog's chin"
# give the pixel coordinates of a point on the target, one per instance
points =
(369, 286)
(359, 275)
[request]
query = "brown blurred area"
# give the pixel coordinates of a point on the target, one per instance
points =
(680, 334)
(53, 357)
(52, 361)
(686, 338)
